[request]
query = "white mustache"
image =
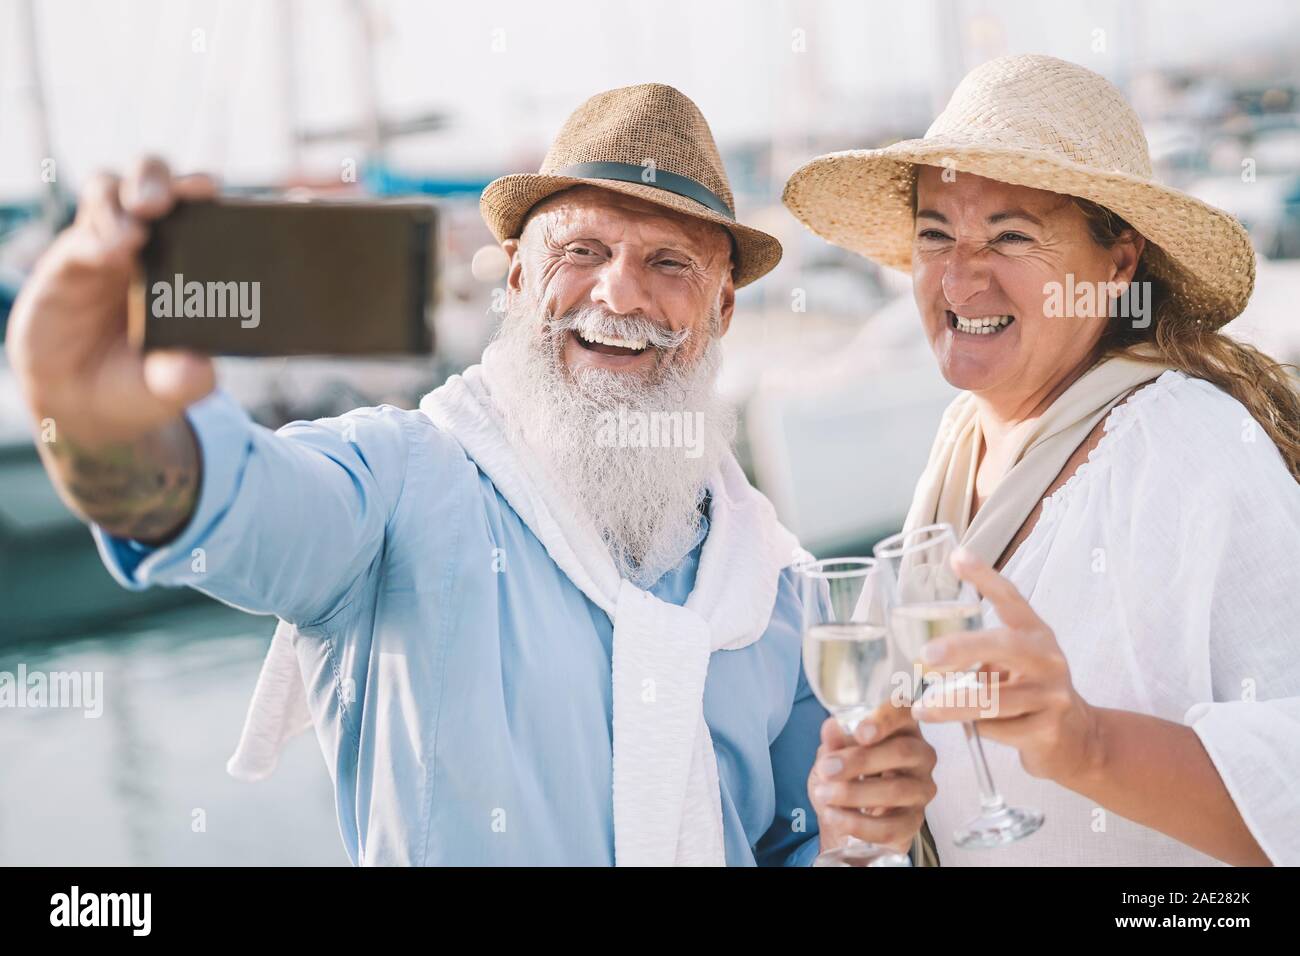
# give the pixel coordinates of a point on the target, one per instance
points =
(590, 320)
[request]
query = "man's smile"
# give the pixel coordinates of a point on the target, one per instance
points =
(582, 352)
(610, 345)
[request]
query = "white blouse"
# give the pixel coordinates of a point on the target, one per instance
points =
(1169, 568)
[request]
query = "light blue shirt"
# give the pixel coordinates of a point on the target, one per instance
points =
(459, 682)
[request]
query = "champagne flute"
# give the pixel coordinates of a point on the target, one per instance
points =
(930, 601)
(846, 655)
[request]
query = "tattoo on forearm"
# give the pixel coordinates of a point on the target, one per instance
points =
(145, 489)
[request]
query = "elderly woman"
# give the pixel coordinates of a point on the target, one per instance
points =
(1123, 476)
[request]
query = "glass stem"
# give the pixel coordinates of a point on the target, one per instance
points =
(989, 796)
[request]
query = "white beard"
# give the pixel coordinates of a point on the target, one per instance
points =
(643, 500)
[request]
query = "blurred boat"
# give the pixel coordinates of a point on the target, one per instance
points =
(837, 439)
(51, 579)
(1269, 321)
(52, 582)
(1268, 206)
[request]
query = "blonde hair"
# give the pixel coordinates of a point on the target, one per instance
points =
(1263, 385)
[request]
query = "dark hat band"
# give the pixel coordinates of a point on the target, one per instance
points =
(659, 178)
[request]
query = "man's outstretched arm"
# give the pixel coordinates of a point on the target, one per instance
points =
(110, 424)
(180, 486)
(144, 489)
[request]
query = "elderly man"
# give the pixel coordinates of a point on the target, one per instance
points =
(522, 635)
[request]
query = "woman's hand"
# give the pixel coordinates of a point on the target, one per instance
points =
(1031, 703)
(895, 762)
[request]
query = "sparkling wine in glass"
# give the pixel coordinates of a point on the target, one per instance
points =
(929, 602)
(846, 655)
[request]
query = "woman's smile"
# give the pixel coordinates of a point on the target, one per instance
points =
(978, 325)
(976, 349)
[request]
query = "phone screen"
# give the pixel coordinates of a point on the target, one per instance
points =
(243, 277)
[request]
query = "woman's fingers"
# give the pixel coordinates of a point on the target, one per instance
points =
(993, 701)
(962, 652)
(1011, 606)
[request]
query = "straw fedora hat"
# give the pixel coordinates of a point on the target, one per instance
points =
(648, 141)
(1041, 122)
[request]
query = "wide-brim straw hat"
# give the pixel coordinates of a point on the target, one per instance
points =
(649, 141)
(1041, 122)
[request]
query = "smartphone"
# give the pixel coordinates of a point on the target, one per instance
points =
(253, 277)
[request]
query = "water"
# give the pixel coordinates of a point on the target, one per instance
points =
(145, 782)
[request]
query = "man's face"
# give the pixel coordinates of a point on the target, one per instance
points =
(590, 248)
(615, 308)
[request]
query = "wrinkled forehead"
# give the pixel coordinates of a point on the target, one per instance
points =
(590, 212)
(965, 192)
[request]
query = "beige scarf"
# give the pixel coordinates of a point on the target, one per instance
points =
(1041, 447)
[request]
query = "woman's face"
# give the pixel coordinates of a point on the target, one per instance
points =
(1013, 259)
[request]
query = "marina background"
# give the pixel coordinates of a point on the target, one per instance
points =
(838, 402)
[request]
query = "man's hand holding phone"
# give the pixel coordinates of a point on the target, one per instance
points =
(67, 338)
(111, 336)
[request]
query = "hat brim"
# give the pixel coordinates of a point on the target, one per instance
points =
(862, 200)
(506, 201)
